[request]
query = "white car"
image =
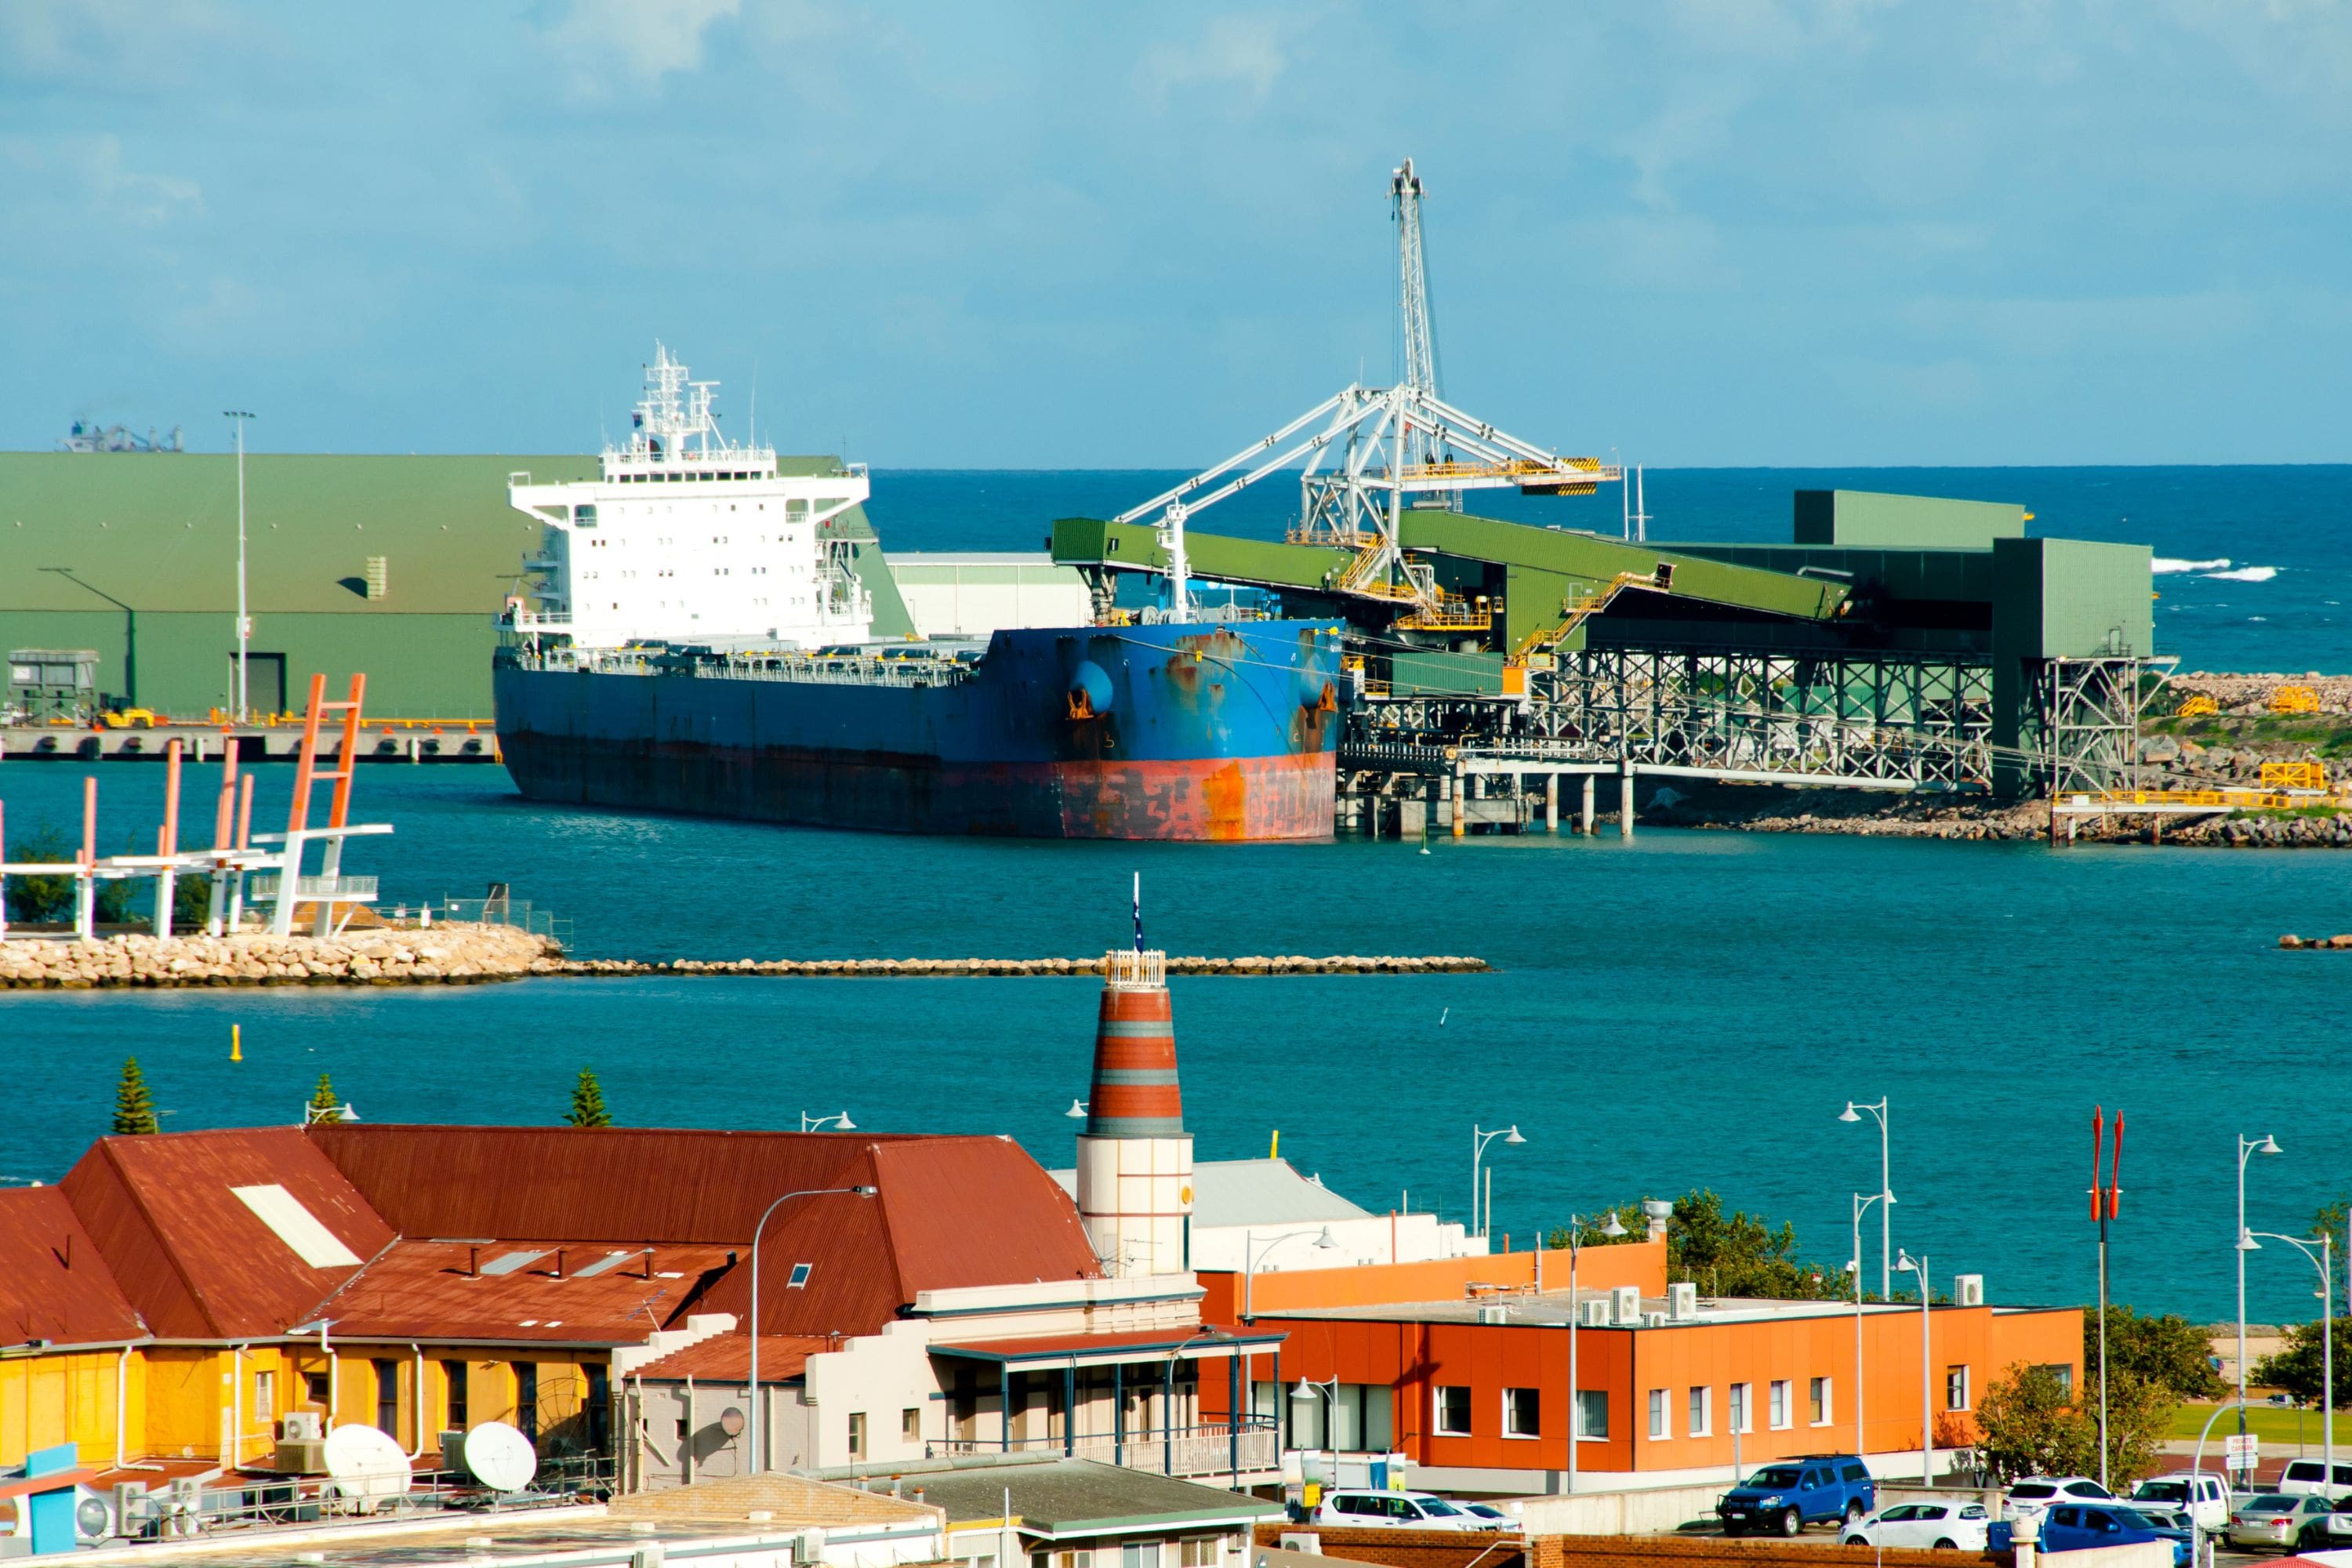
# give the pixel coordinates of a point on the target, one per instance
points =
(2203, 1498)
(1942, 1526)
(2029, 1498)
(2308, 1478)
(1355, 1510)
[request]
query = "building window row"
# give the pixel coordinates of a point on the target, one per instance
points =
(1698, 1405)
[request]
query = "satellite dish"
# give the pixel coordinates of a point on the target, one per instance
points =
(500, 1458)
(368, 1464)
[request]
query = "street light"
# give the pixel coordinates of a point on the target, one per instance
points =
(1250, 1245)
(1078, 1112)
(1853, 1112)
(2247, 1149)
(840, 1120)
(758, 1425)
(1479, 1142)
(1304, 1394)
(1926, 1376)
(2323, 1261)
(1860, 1203)
(244, 621)
(1613, 1229)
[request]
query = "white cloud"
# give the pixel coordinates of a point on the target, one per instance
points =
(85, 176)
(1230, 51)
(635, 40)
(106, 44)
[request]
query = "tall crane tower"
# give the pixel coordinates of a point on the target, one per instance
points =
(1419, 368)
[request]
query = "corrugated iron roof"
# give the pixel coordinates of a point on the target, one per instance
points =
(1072, 1497)
(429, 1290)
(195, 1260)
(54, 1282)
(1262, 1192)
(727, 1358)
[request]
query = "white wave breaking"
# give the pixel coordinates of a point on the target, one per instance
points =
(2164, 563)
(2244, 574)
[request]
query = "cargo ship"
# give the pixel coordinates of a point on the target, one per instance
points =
(701, 642)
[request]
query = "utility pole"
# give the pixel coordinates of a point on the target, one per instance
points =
(244, 621)
(2107, 1201)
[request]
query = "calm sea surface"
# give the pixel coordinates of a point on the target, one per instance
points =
(1689, 1010)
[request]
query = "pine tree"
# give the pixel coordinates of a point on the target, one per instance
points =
(324, 1106)
(134, 1108)
(588, 1102)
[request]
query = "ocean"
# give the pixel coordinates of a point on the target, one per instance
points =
(1690, 1010)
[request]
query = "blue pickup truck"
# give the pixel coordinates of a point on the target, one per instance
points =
(2072, 1527)
(1784, 1497)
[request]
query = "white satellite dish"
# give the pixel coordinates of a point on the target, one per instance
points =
(500, 1458)
(367, 1464)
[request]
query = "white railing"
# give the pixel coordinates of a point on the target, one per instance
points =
(334, 889)
(1196, 1450)
(1128, 970)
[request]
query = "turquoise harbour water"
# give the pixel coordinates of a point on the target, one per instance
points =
(1689, 1010)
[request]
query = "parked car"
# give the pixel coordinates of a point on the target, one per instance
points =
(2308, 1477)
(2072, 1527)
(1942, 1526)
(2203, 1498)
(1784, 1498)
(2029, 1496)
(2332, 1529)
(2276, 1519)
(1354, 1510)
(1488, 1512)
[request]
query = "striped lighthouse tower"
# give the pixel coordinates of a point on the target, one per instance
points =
(1135, 1159)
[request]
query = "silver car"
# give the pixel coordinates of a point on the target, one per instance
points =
(2276, 1520)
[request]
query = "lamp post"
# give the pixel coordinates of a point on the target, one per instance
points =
(1305, 1394)
(1479, 1142)
(1918, 1265)
(840, 1122)
(757, 1453)
(2247, 1149)
(1860, 1203)
(1250, 1245)
(1613, 1229)
(1853, 1112)
(2323, 1261)
(244, 621)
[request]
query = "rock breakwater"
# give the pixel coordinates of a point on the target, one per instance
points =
(965, 968)
(454, 954)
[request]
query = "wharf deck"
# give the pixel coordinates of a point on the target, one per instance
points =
(381, 741)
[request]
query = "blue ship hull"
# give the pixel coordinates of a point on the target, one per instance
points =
(1222, 731)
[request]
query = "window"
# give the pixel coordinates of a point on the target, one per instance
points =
(600, 1409)
(1736, 1409)
(1702, 1417)
(315, 1389)
(2063, 1372)
(1200, 1552)
(1821, 1416)
(910, 1424)
(1658, 1414)
(1955, 1388)
(525, 1374)
(1779, 1393)
(1522, 1413)
(1454, 1412)
(265, 1396)
(857, 1433)
(387, 1396)
(1138, 1554)
(1592, 1413)
(800, 1278)
(453, 1384)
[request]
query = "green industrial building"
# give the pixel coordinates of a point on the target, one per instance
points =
(395, 566)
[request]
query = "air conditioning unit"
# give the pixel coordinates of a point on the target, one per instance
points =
(302, 1456)
(95, 1516)
(1968, 1290)
(301, 1426)
(1625, 1303)
(1592, 1314)
(1496, 1313)
(1653, 1319)
(1682, 1302)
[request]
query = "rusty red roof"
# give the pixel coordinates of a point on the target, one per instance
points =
(519, 1292)
(54, 1282)
(197, 1262)
(724, 1358)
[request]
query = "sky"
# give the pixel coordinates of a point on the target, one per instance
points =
(1017, 235)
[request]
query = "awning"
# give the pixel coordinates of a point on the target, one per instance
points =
(1104, 1349)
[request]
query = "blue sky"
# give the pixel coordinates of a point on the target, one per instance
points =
(1718, 232)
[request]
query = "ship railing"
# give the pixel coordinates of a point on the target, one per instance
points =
(890, 668)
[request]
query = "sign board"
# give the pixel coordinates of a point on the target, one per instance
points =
(2241, 1451)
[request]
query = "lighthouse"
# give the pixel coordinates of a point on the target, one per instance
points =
(1135, 1159)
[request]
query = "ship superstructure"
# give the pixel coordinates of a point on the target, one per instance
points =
(687, 537)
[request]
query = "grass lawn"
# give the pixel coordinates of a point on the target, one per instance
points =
(2273, 1426)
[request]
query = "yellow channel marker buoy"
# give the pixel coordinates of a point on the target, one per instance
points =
(235, 1047)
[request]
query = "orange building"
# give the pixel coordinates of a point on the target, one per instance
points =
(1461, 1367)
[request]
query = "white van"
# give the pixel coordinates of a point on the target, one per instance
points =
(2203, 1498)
(2308, 1478)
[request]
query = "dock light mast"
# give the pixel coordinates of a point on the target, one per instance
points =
(244, 621)
(1420, 348)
